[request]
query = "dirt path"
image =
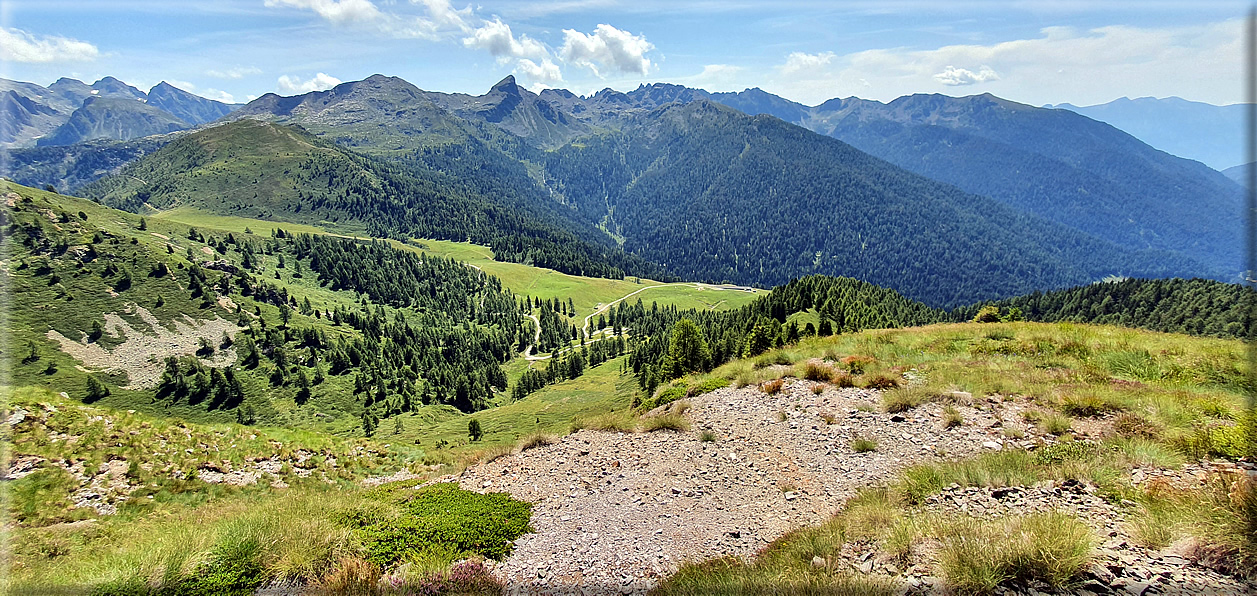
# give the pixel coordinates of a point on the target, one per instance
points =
(614, 512)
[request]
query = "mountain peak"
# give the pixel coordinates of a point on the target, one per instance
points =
(506, 85)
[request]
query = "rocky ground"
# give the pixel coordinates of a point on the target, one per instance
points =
(616, 512)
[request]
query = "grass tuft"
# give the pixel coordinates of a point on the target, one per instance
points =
(674, 422)
(863, 445)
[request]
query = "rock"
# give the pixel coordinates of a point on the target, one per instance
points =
(1137, 588)
(791, 495)
(897, 418)
(992, 445)
(818, 562)
(961, 396)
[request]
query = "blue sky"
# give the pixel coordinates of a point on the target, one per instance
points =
(1037, 52)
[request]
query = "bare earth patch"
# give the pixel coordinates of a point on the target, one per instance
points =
(143, 353)
(616, 512)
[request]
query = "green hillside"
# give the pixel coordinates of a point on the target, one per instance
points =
(262, 170)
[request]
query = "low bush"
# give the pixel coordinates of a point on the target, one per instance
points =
(443, 515)
(842, 379)
(772, 387)
(707, 387)
(856, 364)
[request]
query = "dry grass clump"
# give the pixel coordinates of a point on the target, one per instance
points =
(350, 576)
(881, 382)
(622, 421)
(1132, 426)
(902, 400)
(537, 439)
(818, 389)
(977, 556)
(674, 422)
(842, 379)
(952, 417)
(1090, 405)
(816, 370)
(772, 387)
(856, 364)
(1055, 423)
(863, 445)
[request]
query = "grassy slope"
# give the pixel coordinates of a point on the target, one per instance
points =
(1147, 399)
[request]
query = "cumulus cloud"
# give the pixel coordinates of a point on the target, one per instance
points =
(234, 73)
(800, 61)
(608, 48)
(19, 46)
(336, 11)
(953, 76)
(496, 38)
(545, 73)
(295, 86)
(1083, 66)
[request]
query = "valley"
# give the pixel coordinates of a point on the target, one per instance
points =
(375, 339)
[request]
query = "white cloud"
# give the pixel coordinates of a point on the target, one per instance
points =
(336, 11)
(444, 16)
(296, 86)
(19, 46)
(217, 95)
(799, 61)
(609, 48)
(545, 73)
(953, 76)
(238, 72)
(1061, 64)
(496, 38)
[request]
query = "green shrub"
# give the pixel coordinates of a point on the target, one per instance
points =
(1066, 451)
(707, 387)
(987, 314)
(443, 515)
(668, 396)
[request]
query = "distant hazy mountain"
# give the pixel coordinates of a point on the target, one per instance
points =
(70, 111)
(185, 106)
(1212, 135)
(1238, 173)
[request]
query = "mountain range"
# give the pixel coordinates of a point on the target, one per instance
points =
(949, 200)
(70, 111)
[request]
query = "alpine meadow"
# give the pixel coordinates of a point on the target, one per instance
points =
(897, 317)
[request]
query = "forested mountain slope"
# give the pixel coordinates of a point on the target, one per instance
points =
(717, 194)
(269, 171)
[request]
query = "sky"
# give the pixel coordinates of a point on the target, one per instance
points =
(1036, 52)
